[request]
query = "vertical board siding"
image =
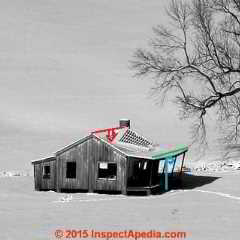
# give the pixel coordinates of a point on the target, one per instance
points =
(91, 154)
(37, 176)
(45, 183)
(80, 155)
(105, 153)
(87, 155)
(49, 184)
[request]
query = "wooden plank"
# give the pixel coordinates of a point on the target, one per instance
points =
(182, 164)
(37, 176)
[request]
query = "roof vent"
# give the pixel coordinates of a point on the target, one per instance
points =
(124, 123)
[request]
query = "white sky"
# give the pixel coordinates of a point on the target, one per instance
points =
(64, 71)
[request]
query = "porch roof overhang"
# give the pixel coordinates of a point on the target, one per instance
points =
(155, 153)
(170, 153)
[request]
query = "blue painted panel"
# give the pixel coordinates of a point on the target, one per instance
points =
(170, 161)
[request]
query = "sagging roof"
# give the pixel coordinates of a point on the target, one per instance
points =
(124, 135)
(129, 143)
(133, 144)
(154, 153)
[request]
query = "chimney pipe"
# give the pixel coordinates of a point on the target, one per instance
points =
(124, 123)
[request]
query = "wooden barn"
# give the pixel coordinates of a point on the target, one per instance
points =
(114, 159)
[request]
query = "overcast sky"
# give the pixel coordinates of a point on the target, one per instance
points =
(64, 71)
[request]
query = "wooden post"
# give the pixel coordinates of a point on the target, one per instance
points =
(175, 159)
(124, 191)
(180, 174)
(166, 174)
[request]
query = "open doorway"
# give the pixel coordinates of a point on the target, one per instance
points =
(139, 173)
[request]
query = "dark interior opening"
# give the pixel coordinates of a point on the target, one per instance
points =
(71, 170)
(157, 171)
(139, 173)
(107, 170)
(46, 172)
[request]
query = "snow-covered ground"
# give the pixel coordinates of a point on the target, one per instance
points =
(207, 208)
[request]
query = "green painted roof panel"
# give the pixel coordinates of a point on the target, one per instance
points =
(171, 152)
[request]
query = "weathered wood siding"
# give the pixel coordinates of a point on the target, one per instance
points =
(81, 155)
(37, 176)
(103, 152)
(45, 183)
(87, 155)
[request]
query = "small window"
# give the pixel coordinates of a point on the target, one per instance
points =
(46, 172)
(107, 170)
(71, 170)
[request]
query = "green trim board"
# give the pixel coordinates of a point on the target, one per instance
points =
(169, 153)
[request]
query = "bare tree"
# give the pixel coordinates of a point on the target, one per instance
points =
(197, 58)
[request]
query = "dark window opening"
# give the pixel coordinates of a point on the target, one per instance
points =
(46, 172)
(71, 170)
(107, 170)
